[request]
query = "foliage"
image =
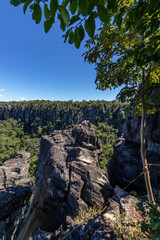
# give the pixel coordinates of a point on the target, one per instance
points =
(78, 16)
(11, 132)
(116, 65)
(128, 56)
(152, 223)
(13, 138)
(127, 229)
(46, 116)
(108, 135)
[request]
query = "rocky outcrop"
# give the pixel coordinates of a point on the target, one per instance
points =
(131, 130)
(15, 192)
(69, 178)
(126, 163)
(120, 210)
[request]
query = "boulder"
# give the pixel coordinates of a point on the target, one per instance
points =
(126, 165)
(15, 192)
(69, 178)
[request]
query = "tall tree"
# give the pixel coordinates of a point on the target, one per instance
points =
(113, 51)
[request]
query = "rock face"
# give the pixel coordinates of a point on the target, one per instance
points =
(103, 226)
(131, 130)
(69, 178)
(126, 163)
(15, 191)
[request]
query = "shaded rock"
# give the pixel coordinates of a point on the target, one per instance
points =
(126, 165)
(15, 192)
(103, 226)
(131, 130)
(69, 178)
(41, 235)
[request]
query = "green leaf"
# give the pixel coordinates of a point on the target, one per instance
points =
(71, 37)
(73, 6)
(53, 7)
(111, 4)
(65, 14)
(119, 20)
(77, 38)
(144, 227)
(81, 33)
(65, 3)
(91, 6)
(140, 206)
(62, 24)
(103, 13)
(90, 25)
(74, 19)
(83, 5)
(48, 25)
(66, 34)
(34, 11)
(154, 4)
(31, 7)
(38, 13)
(15, 2)
(46, 12)
(25, 6)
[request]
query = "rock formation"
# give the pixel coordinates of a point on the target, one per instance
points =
(103, 226)
(131, 130)
(69, 178)
(126, 162)
(15, 192)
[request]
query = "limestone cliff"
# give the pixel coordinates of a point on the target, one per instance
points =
(15, 192)
(126, 163)
(62, 115)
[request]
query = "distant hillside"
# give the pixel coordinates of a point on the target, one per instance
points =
(42, 117)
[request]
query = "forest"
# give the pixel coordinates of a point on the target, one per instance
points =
(16, 134)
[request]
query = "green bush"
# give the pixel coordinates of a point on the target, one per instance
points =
(108, 135)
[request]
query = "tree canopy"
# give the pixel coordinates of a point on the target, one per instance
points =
(77, 17)
(112, 53)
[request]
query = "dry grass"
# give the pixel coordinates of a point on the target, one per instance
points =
(84, 215)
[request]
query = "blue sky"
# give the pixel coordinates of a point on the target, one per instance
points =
(35, 65)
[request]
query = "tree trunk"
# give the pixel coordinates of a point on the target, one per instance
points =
(143, 150)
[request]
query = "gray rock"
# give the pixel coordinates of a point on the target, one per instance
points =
(131, 130)
(15, 192)
(14, 170)
(69, 178)
(126, 165)
(103, 226)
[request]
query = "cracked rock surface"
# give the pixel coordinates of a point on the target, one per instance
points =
(69, 178)
(15, 192)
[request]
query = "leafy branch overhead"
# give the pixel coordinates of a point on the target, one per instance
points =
(78, 17)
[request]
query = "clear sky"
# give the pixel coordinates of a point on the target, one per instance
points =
(35, 65)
